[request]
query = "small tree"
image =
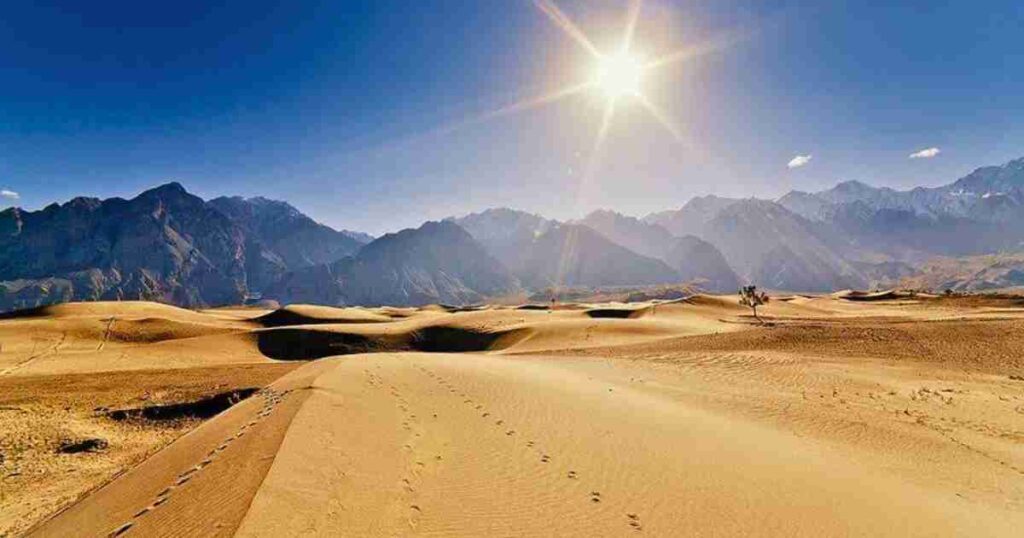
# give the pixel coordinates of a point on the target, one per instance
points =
(749, 296)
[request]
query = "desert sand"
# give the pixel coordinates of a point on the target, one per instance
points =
(881, 415)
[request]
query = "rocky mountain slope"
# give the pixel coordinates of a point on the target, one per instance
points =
(982, 212)
(171, 246)
(165, 244)
(436, 263)
(693, 259)
(576, 255)
(988, 194)
(505, 233)
(299, 240)
(700, 263)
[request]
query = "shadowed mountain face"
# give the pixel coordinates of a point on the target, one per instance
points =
(693, 259)
(505, 233)
(165, 245)
(990, 194)
(700, 262)
(772, 246)
(170, 246)
(576, 255)
(297, 239)
(692, 217)
(436, 263)
(543, 253)
(764, 243)
(641, 237)
(980, 213)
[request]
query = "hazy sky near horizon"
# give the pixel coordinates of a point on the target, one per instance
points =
(361, 113)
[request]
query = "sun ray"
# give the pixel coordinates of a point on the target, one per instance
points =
(606, 123)
(565, 23)
(695, 51)
(536, 101)
(568, 251)
(519, 106)
(661, 116)
(631, 21)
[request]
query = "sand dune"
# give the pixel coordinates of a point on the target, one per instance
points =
(834, 417)
(410, 444)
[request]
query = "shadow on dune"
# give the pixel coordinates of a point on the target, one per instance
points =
(284, 317)
(291, 344)
(35, 312)
(618, 313)
(199, 409)
(306, 343)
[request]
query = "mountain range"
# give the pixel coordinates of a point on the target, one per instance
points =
(171, 246)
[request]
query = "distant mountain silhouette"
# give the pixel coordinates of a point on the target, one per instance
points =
(702, 263)
(297, 239)
(645, 238)
(991, 194)
(165, 245)
(505, 233)
(576, 255)
(692, 217)
(693, 259)
(980, 213)
(765, 243)
(168, 245)
(438, 262)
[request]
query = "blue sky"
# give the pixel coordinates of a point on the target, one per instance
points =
(357, 112)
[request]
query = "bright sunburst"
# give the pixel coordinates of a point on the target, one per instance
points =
(619, 75)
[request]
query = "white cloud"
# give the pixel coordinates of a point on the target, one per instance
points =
(798, 161)
(925, 153)
(9, 194)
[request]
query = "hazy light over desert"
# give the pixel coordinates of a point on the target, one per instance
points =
(522, 268)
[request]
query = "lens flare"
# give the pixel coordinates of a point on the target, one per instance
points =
(619, 76)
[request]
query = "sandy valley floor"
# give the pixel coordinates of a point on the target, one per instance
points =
(889, 417)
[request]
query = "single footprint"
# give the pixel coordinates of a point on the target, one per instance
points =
(122, 529)
(572, 475)
(545, 458)
(595, 496)
(143, 512)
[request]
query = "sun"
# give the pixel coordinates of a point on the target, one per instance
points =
(618, 76)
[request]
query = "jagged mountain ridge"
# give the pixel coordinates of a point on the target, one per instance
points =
(172, 246)
(990, 193)
(299, 240)
(543, 253)
(693, 259)
(438, 262)
(165, 244)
